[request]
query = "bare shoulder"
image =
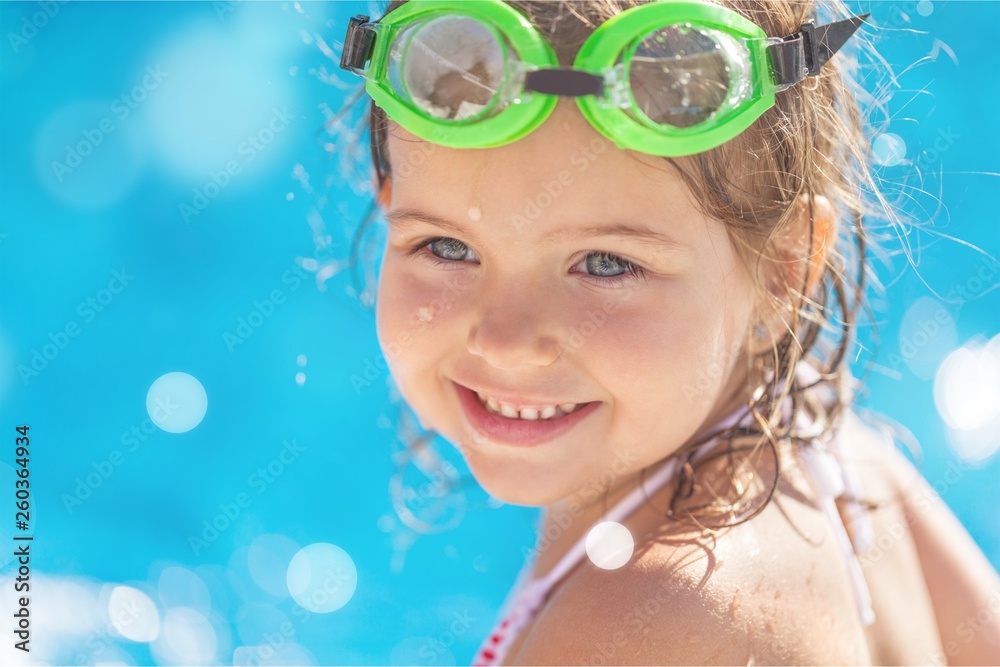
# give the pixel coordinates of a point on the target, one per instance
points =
(776, 589)
(773, 590)
(961, 587)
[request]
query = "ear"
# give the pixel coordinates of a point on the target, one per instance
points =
(798, 255)
(383, 196)
(805, 244)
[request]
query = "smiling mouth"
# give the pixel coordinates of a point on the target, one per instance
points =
(539, 413)
(525, 428)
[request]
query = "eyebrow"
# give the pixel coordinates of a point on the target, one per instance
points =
(404, 217)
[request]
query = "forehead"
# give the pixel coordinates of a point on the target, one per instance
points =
(565, 167)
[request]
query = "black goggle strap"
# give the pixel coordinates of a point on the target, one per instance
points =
(793, 58)
(803, 54)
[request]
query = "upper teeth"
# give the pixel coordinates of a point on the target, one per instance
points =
(534, 412)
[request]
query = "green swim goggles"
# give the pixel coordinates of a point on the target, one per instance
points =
(670, 77)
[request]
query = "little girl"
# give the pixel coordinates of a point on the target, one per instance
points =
(624, 262)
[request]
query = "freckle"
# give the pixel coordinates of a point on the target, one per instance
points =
(718, 563)
(777, 594)
(425, 314)
(475, 214)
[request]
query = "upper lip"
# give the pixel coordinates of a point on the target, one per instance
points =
(518, 402)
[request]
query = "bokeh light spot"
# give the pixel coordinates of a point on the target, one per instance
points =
(322, 577)
(609, 545)
(186, 637)
(222, 114)
(267, 559)
(87, 156)
(180, 587)
(967, 396)
(133, 614)
(176, 402)
(888, 149)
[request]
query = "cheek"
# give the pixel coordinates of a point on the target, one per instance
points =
(396, 317)
(668, 347)
(411, 307)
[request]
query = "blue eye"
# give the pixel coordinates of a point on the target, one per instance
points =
(445, 250)
(600, 261)
(451, 248)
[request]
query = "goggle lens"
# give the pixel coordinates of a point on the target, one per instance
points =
(452, 68)
(682, 75)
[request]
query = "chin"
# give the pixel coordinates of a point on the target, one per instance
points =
(514, 485)
(513, 494)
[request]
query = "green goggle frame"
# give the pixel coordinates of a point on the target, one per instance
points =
(669, 77)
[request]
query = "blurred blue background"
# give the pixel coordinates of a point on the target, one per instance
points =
(175, 220)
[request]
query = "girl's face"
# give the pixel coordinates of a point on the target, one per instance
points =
(522, 297)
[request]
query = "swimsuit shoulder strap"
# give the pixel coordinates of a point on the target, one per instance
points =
(832, 475)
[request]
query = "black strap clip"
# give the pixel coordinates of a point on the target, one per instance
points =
(358, 44)
(803, 54)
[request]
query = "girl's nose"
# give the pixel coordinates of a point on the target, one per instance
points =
(507, 339)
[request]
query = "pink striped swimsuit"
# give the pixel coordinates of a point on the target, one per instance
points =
(830, 475)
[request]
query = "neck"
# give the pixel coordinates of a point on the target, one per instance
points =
(565, 521)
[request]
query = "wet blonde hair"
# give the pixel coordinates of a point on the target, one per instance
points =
(811, 143)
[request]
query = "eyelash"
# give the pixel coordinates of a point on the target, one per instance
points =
(634, 271)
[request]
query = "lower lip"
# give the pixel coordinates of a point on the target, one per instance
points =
(521, 432)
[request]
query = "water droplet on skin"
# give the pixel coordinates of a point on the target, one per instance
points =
(475, 214)
(734, 604)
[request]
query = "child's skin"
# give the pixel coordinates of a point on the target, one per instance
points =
(666, 361)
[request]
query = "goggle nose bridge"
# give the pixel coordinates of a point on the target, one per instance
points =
(564, 81)
(608, 87)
